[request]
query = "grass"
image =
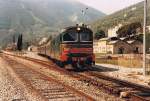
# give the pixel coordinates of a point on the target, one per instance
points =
(121, 61)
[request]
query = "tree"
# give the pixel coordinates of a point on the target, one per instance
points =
(129, 30)
(99, 34)
(19, 43)
(147, 42)
(14, 39)
(139, 38)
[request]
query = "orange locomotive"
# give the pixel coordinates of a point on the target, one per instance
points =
(73, 46)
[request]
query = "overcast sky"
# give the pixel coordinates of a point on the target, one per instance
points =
(109, 6)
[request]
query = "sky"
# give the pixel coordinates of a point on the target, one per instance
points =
(109, 6)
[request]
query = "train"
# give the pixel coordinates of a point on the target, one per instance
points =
(73, 46)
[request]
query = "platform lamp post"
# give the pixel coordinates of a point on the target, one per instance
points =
(144, 38)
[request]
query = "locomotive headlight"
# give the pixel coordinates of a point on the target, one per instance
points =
(78, 29)
(66, 49)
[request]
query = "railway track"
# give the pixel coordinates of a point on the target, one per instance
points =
(50, 89)
(116, 87)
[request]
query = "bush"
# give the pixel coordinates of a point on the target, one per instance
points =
(99, 34)
(130, 29)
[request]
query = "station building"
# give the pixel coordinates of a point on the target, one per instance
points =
(11, 47)
(107, 46)
(32, 48)
(148, 28)
(136, 46)
(122, 45)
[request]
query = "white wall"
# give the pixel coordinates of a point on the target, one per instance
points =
(112, 31)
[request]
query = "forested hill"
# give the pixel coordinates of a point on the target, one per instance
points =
(37, 18)
(128, 15)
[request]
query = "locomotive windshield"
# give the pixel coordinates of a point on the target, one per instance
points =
(86, 37)
(70, 37)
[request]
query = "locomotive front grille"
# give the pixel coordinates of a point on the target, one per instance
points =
(78, 55)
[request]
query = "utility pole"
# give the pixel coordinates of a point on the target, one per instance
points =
(144, 38)
(84, 12)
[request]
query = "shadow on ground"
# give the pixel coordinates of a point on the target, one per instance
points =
(102, 69)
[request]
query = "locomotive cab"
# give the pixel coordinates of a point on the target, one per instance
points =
(77, 46)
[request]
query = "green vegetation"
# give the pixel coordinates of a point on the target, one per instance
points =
(126, 16)
(19, 43)
(147, 42)
(4, 23)
(34, 19)
(129, 29)
(99, 34)
(134, 62)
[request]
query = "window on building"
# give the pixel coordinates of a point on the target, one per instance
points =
(121, 50)
(136, 50)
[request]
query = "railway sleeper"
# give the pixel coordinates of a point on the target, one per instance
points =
(66, 98)
(53, 90)
(135, 97)
(58, 96)
(57, 93)
(113, 91)
(106, 88)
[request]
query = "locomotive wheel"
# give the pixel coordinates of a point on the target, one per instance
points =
(79, 65)
(74, 65)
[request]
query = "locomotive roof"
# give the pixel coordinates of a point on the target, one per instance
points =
(75, 27)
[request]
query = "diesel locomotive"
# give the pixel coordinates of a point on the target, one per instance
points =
(74, 46)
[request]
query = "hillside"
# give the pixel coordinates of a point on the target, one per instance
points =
(128, 15)
(38, 18)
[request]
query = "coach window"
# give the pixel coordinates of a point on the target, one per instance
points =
(70, 37)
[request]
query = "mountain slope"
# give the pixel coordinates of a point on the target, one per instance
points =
(37, 18)
(128, 15)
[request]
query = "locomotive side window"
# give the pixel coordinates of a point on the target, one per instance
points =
(70, 37)
(86, 37)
